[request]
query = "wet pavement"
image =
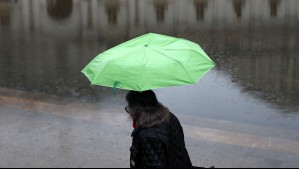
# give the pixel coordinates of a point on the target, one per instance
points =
(38, 132)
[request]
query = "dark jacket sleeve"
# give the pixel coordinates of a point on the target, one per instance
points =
(152, 153)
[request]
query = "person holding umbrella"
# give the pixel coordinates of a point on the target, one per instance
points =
(140, 65)
(158, 137)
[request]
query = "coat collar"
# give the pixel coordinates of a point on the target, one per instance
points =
(135, 131)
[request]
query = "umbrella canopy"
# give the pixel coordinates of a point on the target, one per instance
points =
(148, 62)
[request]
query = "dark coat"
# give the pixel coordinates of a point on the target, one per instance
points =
(161, 146)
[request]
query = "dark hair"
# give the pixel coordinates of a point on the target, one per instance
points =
(145, 109)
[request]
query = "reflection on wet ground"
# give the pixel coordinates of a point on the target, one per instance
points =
(46, 43)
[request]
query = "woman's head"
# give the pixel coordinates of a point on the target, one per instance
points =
(145, 109)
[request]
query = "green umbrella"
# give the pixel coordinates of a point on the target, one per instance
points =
(148, 62)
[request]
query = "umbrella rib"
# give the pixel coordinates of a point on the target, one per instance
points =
(195, 52)
(172, 42)
(104, 67)
(176, 61)
(149, 39)
(144, 55)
